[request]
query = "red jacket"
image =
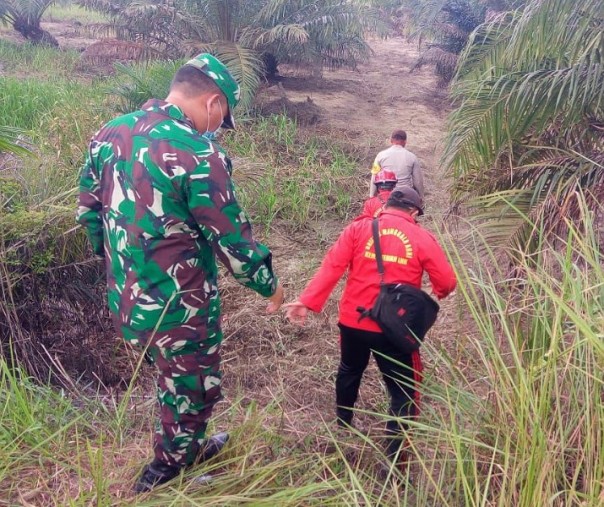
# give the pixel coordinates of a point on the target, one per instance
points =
(374, 204)
(408, 251)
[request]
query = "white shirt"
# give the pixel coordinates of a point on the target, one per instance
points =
(404, 164)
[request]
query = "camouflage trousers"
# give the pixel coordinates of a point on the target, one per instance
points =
(188, 387)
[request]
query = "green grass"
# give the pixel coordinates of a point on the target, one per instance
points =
(36, 61)
(524, 425)
(33, 104)
(283, 175)
(68, 11)
(58, 117)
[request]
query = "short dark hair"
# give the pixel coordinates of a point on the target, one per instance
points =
(399, 135)
(192, 82)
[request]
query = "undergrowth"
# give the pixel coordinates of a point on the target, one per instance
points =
(36, 60)
(285, 175)
(513, 411)
(509, 418)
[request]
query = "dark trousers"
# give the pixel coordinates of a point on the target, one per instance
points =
(401, 379)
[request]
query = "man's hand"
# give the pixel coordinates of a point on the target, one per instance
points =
(276, 300)
(296, 312)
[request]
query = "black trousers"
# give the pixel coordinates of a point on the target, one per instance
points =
(401, 379)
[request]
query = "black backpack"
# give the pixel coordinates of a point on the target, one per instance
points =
(403, 312)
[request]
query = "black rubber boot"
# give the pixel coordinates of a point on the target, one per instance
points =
(154, 474)
(397, 451)
(212, 446)
(157, 473)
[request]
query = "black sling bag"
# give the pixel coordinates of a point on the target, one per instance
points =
(403, 312)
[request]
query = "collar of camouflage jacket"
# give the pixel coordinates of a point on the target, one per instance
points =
(167, 109)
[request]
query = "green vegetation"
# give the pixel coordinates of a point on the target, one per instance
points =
(443, 28)
(512, 402)
(57, 117)
(513, 418)
(25, 17)
(8, 141)
(135, 84)
(251, 37)
(38, 61)
(528, 127)
(68, 10)
(285, 176)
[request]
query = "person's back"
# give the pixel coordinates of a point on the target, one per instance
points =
(408, 250)
(400, 161)
(149, 223)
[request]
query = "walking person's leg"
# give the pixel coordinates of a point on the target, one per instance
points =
(188, 388)
(354, 357)
(402, 376)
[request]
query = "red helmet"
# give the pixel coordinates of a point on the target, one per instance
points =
(385, 177)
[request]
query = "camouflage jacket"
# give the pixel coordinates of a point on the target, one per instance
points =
(158, 202)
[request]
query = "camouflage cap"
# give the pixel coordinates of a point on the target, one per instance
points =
(218, 72)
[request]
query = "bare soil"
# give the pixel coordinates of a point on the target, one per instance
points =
(364, 106)
(70, 34)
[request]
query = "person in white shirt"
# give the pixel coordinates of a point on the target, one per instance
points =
(401, 162)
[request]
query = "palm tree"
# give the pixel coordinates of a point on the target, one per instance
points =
(528, 135)
(443, 28)
(25, 16)
(246, 34)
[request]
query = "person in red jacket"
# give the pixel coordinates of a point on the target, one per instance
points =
(408, 251)
(384, 181)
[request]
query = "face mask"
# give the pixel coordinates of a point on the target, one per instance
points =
(210, 135)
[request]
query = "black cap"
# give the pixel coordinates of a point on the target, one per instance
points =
(405, 196)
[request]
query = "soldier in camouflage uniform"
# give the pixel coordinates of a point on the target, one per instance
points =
(158, 202)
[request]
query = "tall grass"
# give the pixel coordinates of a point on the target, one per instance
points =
(285, 175)
(58, 117)
(36, 61)
(520, 420)
(513, 416)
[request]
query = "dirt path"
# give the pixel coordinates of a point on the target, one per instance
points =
(382, 95)
(273, 362)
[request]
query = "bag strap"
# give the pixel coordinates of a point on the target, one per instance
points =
(375, 226)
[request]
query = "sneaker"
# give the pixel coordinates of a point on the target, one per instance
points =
(212, 446)
(154, 474)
